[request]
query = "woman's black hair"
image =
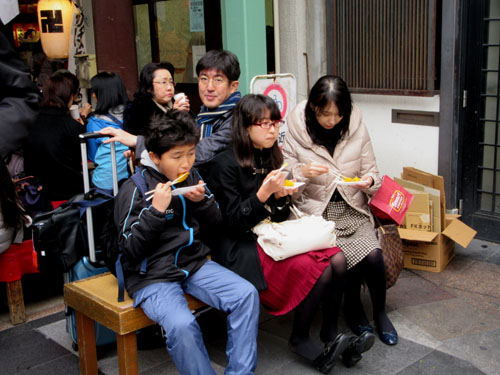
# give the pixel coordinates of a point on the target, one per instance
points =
(248, 111)
(57, 92)
(328, 89)
(146, 79)
(222, 61)
(9, 203)
(166, 131)
(109, 90)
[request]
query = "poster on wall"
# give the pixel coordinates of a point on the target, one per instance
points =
(198, 52)
(196, 16)
(282, 88)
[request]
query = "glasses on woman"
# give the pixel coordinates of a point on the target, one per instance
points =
(165, 83)
(269, 124)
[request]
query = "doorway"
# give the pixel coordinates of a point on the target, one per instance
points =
(180, 32)
(481, 120)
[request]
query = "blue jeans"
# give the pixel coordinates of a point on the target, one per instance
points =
(220, 288)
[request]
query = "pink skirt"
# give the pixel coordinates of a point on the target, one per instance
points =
(289, 281)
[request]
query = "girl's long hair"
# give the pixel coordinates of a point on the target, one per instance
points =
(109, 90)
(12, 212)
(328, 89)
(248, 111)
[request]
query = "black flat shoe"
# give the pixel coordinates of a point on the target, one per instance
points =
(333, 349)
(388, 338)
(357, 346)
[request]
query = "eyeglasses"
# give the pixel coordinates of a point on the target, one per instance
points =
(269, 124)
(217, 81)
(165, 83)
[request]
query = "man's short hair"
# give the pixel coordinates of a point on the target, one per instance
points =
(222, 61)
(166, 131)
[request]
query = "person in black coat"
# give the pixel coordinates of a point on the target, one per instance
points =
(249, 185)
(52, 149)
(19, 98)
(153, 97)
(164, 256)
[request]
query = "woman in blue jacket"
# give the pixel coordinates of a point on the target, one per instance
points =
(109, 92)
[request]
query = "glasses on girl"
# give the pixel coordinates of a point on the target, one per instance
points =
(269, 124)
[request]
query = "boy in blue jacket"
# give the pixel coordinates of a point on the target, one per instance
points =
(166, 232)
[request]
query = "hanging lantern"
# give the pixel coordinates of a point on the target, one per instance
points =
(55, 18)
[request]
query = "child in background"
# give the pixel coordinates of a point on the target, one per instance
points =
(165, 231)
(111, 97)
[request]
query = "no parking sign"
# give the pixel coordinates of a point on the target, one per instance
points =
(282, 89)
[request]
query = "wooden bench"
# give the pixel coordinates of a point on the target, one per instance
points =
(95, 300)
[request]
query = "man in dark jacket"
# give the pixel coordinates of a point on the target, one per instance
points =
(163, 256)
(19, 98)
(218, 74)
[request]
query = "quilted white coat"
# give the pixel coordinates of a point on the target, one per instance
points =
(353, 157)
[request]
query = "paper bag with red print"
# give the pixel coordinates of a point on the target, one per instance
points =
(391, 201)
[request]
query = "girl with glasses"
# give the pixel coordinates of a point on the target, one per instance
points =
(249, 186)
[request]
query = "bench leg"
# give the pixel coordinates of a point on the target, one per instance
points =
(127, 354)
(86, 344)
(16, 302)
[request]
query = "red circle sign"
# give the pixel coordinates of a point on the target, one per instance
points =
(278, 94)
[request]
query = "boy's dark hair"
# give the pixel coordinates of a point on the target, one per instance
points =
(328, 89)
(166, 131)
(222, 61)
(109, 90)
(248, 111)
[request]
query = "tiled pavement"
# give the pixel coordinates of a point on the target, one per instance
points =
(448, 323)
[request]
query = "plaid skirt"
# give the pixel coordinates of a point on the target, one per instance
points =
(355, 233)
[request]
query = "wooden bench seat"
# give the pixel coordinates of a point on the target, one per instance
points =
(95, 300)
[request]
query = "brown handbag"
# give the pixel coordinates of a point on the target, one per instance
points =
(392, 250)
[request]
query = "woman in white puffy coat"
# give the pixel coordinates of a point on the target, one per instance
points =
(327, 141)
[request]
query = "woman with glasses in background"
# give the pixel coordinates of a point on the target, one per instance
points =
(154, 96)
(248, 184)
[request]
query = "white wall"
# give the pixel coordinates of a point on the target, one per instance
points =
(397, 145)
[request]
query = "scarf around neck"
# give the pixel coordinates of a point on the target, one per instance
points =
(207, 117)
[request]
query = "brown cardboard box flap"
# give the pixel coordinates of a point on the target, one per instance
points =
(416, 235)
(459, 232)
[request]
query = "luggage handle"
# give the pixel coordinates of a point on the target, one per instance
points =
(86, 182)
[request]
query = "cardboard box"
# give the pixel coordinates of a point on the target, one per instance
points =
(418, 216)
(432, 251)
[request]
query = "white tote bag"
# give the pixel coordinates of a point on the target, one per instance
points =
(295, 236)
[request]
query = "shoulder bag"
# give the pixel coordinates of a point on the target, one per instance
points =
(392, 250)
(295, 236)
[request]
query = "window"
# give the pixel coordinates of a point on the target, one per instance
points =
(384, 46)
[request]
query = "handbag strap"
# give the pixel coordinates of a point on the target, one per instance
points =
(377, 220)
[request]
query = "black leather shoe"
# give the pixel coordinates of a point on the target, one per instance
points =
(357, 346)
(360, 329)
(333, 349)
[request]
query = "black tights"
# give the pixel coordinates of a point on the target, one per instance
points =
(371, 269)
(328, 289)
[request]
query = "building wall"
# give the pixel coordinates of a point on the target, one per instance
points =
(395, 145)
(399, 145)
